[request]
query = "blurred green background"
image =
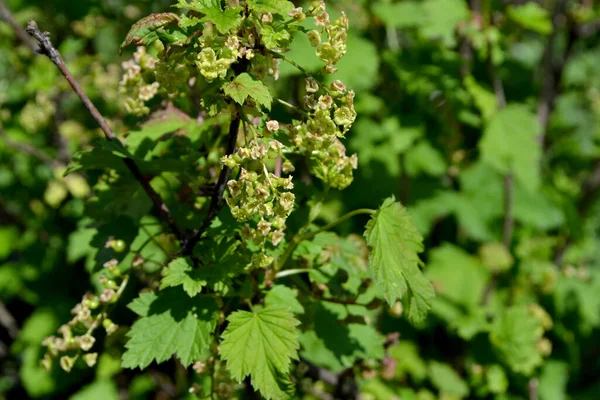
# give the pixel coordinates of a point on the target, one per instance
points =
(460, 104)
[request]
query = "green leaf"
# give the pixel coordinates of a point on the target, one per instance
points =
(460, 280)
(154, 130)
(554, 380)
(511, 143)
(484, 99)
(394, 261)
(180, 272)
(447, 380)
(262, 344)
(405, 14)
(144, 32)
(104, 154)
(284, 296)
(224, 20)
(443, 16)
(271, 6)
(514, 334)
(335, 345)
(171, 323)
(98, 390)
(243, 86)
(425, 158)
(531, 16)
(496, 379)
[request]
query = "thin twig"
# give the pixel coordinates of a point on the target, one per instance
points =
(47, 49)
(29, 150)
(7, 16)
(8, 321)
(217, 197)
(552, 69)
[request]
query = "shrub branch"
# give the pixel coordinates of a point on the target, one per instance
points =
(47, 48)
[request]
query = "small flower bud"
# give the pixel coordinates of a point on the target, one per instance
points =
(311, 85)
(85, 342)
(325, 102)
(273, 126)
(322, 19)
(66, 363)
(277, 237)
(107, 295)
(297, 14)
(287, 167)
(46, 363)
(264, 227)
(338, 86)
(287, 201)
(90, 359)
(109, 326)
(267, 18)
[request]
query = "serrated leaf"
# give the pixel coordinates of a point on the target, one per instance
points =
(104, 154)
(262, 344)
(514, 334)
(270, 6)
(143, 32)
(181, 272)
(243, 86)
(394, 260)
(171, 324)
(281, 295)
(223, 19)
(154, 130)
(511, 143)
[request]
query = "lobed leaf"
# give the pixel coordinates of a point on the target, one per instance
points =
(394, 261)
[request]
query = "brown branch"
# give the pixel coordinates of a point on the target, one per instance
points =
(217, 197)
(47, 49)
(6, 15)
(552, 69)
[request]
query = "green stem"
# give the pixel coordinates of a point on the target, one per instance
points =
(288, 272)
(300, 238)
(338, 221)
(293, 63)
(293, 107)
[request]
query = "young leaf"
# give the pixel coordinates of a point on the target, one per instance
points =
(262, 344)
(510, 143)
(171, 324)
(144, 32)
(515, 334)
(270, 6)
(244, 86)
(394, 261)
(224, 20)
(180, 272)
(284, 296)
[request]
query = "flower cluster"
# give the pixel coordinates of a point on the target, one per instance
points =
(330, 40)
(257, 197)
(138, 84)
(76, 337)
(331, 114)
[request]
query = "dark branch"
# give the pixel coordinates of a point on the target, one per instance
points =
(552, 69)
(217, 197)
(6, 15)
(47, 49)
